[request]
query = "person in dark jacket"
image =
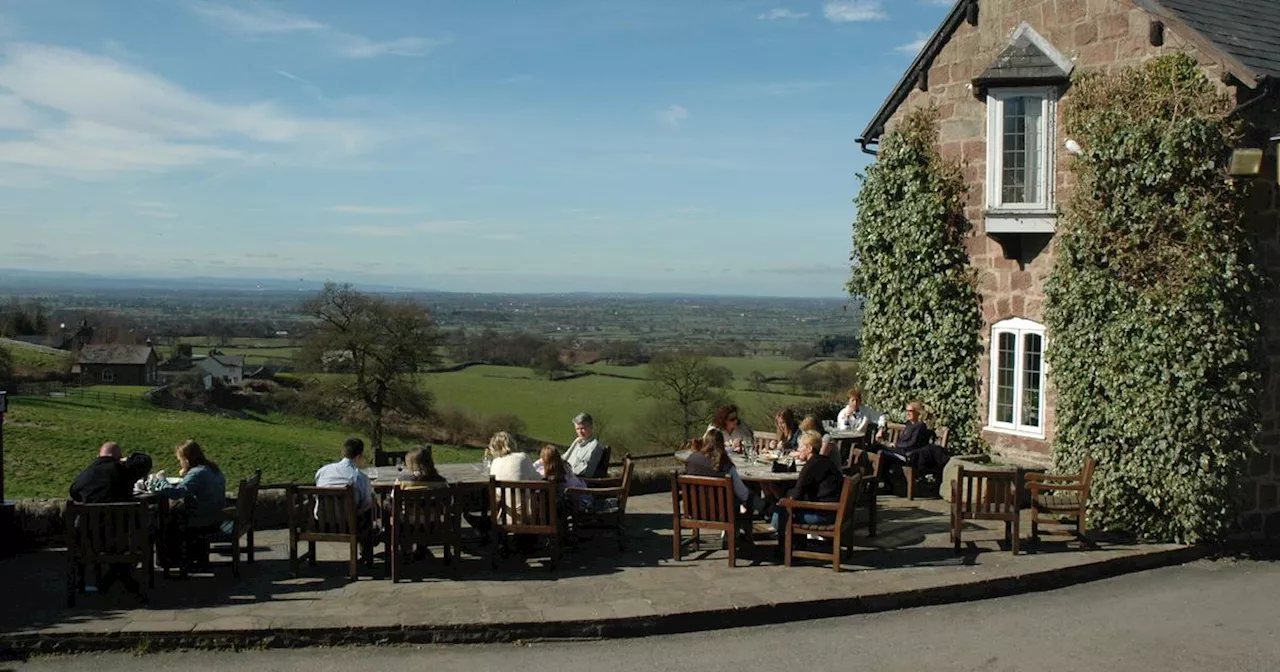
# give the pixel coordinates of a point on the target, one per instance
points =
(819, 481)
(109, 480)
(915, 446)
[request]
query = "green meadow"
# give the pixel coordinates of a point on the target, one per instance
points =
(48, 440)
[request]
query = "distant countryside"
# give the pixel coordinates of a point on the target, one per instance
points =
(283, 396)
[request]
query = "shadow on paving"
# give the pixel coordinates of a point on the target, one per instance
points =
(594, 581)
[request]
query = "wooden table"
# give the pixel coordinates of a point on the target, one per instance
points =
(453, 473)
(759, 473)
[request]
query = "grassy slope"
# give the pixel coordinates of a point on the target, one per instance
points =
(35, 359)
(547, 408)
(49, 439)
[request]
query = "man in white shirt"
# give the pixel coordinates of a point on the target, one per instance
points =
(583, 455)
(346, 472)
(858, 418)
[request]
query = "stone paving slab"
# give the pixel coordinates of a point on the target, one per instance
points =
(595, 591)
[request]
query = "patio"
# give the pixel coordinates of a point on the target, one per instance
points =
(595, 591)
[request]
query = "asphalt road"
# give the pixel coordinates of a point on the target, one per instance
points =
(1222, 616)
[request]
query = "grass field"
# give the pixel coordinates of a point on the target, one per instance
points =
(28, 358)
(48, 440)
(548, 407)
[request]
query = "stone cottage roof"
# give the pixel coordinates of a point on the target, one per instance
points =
(114, 354)
(1244, 33)
(1027, 60)
(229, 360)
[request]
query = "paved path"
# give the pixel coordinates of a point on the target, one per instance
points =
(910, 563)
(1203, 616)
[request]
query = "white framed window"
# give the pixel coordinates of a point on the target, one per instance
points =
(108, 375)
(1017, 378)
(1020, 159)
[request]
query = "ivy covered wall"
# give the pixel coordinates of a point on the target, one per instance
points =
(1153, 335)
(921, 312)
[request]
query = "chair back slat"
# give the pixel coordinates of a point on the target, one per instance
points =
(109, 532)
(706, 501)
(523, 507)
(848, 499)
(247, 501)
(333, 510)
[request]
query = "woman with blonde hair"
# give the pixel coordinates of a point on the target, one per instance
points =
(420, 471)
(201, 495)
(509, 464)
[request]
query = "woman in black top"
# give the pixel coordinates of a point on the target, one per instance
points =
(819, 481)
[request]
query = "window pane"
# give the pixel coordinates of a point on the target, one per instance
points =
(1020, 155)
(1031, 379)
(1005, 361)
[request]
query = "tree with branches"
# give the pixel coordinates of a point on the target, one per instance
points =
(687, 388)
(383, 344)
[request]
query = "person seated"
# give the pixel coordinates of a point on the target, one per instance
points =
(201, 497)
(585, 453)
(509, 464)
(109, 480)
(711, 458)
(857, 418)
(831, 450)
(819, 481)
(346, 471)
(550, 466)
(737, 435)
(788, 432)
(915, 434)
(420, 471)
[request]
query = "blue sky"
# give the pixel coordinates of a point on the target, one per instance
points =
(469, 145)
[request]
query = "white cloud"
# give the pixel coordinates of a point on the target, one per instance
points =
(913, 47)
(375, 231)
(75, 113)
(781, 13)
(372, 210)
(844, 11)
(673, 115)
(260, 20)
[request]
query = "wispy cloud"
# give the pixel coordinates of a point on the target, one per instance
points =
(74, 113)
(260, 20)
(673, 115)
(373, 210)
(845, 11)
(376, 231)
(913, 47)
(781, 13)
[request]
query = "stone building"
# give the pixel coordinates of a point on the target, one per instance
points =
(997, 71)
(114, 364)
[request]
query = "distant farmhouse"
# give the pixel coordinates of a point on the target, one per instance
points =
(227, 369)
(113, 364)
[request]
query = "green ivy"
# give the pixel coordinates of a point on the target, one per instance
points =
(1153, 336)
(920, 308)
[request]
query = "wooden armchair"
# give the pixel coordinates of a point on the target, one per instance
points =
(986, 495)
(602, 467)
(909, 471)
(388, 458)
(706, 503)
(328, 515)
(239, 521)
(1057, 496)
(523, 507)
(107, 534)
(608, 508)
(840, 531)
(424, 516)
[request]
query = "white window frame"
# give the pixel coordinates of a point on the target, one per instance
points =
(108, 375)
(1037, 217)
(1019, 328)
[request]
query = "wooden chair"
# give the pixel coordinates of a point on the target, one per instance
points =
(706, 503)
(107, 534)
(840, 531)
(869, 466)
(986, 495)
(329, 515)
(523, 507)
(763, 439)
(1057, 496)
(422, 517)
(909, 472)
(387, 458)
(602, 467)
(239, 521)
(608, 510)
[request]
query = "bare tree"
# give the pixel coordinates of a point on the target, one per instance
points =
(385, 342)
(687, 388)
